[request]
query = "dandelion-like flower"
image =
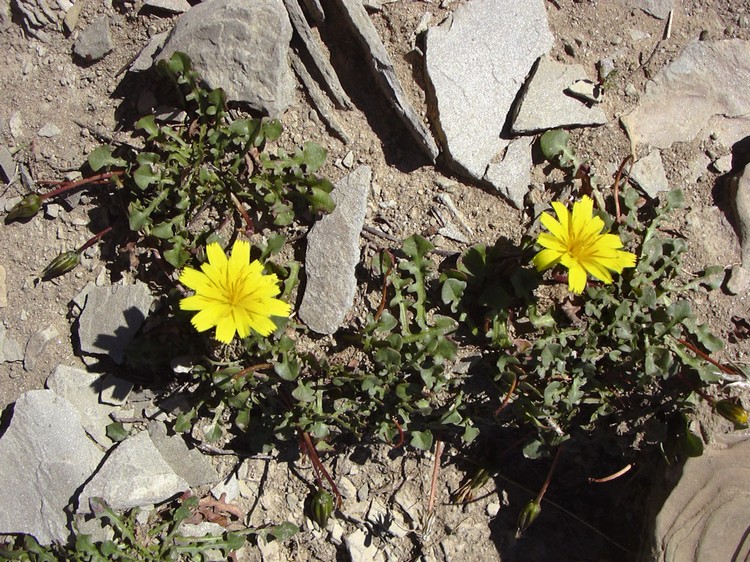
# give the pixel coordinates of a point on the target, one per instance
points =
(232, 294)
(576, 241)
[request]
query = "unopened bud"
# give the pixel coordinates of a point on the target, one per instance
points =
(25, 208)
(321, 507)
(528, 514)
(732, 411)
(61, 264)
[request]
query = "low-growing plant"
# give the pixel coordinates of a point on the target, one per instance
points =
(159, 540)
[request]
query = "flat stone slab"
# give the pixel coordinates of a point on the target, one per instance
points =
(705, 517)
(83, 389)
(133, 475)
(240, 47)
(512, 176)
(703, 91)
(333, 254)
(476, 64)
(649, 174)
(658, 8)
(110, 318)
(46, 456)
(742, 212)
(187, 463)
(545, 105)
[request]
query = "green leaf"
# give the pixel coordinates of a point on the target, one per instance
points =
(148, 124)
(321, 201)
(283, 531)
(145, 173)
(313, 156)
(101, 157)
(177, 256)
(272, 130)
(163, 230)
(287, 370)
(452, 291)
(303, 393)
(184, 421)
(691, 444)
(214, 433)
(421, 440)
(116, 432)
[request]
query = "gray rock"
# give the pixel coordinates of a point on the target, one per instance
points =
(111, 317)
(81, 389)
(3, 288)
(723, 165)
(358, 549)
(738, 281)
(145, 58)
(10, 350)
(134, 474)
(16, 125)
(512, 176)
(95, 41)
(171, 6)
(7, 164)
(333, 253)
(240, 47)
(114, 390)
(47, 457)
(40, 14)
(476, 64)
(648, 173)
(316, 55)
(315, 10)
(385, 74)
(36, 346)
(49, 130)
(544, 105)
(705, 515)
(658, 8)
(187, 463)
(703, 90)
(742, 212)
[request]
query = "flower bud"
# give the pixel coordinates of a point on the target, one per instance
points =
(25, 208)
(528, 514)
(321, 507)
(732, 411)
(61, 264)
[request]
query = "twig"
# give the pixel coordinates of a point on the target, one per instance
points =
(401, 435)
(380, 233)
(611, 477)
(249, 228)
(435, 472)
(511, 390)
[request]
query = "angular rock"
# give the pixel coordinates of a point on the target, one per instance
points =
(134, 474)
(114, 390)
(658, 8)
(10, 349)
(316, 54)
(703, 90)
(187, 463)
(7, 164)
(95, 41)
(3, 288)
(512, 176)
(382, 66)
(171, 6)
(40, 14)
(742, 212)
(544, 105)
(49, 130)
(240, 47)
(360, 549)
(110, 318)
(36, 346)
(705, 515)
(333, 254)
(476, 64)
(145, 58)
(81, 389)
(649, 174)
(47, 457)
(738, 281)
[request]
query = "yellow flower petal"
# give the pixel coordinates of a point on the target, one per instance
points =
(232, 295)
(577, 241)
(546, 259)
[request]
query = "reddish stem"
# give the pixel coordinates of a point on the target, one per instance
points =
(318, 466)
(549, 476)
(65, 186)
(94, 239)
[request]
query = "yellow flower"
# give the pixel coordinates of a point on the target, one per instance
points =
(232, 294)
(576, 241)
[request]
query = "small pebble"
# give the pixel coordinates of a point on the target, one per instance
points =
(631, 91)
(348, 160)
(493, 508)
(49, 130)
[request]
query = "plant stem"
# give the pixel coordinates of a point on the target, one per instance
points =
(93, 240)
(543, 491)
(435, 472)
(318, 466)
(85, 181)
